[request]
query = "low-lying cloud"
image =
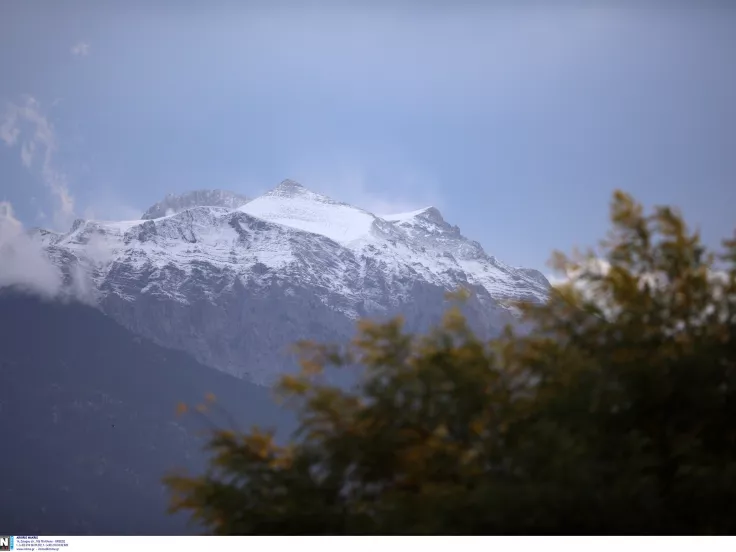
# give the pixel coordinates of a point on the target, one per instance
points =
(80, 49)
(23, 263)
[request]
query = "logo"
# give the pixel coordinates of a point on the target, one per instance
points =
(6, 543)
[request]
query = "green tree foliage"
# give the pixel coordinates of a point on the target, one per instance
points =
(616, 415)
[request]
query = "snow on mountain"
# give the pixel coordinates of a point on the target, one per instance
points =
(235, 285)
(174, 203)
(44, 237)
(427, 240)
(291, 204)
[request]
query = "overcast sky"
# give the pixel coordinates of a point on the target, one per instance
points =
(517, 123)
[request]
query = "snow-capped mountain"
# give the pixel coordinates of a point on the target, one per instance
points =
(235, 285)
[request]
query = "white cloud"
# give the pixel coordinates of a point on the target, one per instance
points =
(397, 189)
(9, 130)
(26, 266)
(27, 151)
(26, 123)
(23, 263)
(80, 49)
(410, 192)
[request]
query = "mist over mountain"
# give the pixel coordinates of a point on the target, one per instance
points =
(175, 203)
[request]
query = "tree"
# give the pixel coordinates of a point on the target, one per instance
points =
(617, 414)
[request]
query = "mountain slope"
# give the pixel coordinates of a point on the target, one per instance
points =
(88, 414)
(292, 205)
(235, 287)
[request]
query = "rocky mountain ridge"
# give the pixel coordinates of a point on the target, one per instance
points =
(176, 203)
(234, 286)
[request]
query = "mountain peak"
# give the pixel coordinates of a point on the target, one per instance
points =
(175, 203)
(433, 214)
(288, 188)
(290, 184)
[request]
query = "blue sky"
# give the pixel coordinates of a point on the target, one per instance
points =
(517, 123)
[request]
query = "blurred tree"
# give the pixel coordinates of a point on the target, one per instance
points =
(616, 415)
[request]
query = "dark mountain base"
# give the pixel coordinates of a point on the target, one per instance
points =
(88, 423)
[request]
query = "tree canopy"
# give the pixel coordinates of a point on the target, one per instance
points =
(616, 414)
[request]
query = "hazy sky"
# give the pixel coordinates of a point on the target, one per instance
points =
(516, 122)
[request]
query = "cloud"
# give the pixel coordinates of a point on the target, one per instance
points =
(396, 188)
(80, 49)
(9, 130)
(26, 266)
(25, 123)
(107, 202)
(23, 263)
(407, 195)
